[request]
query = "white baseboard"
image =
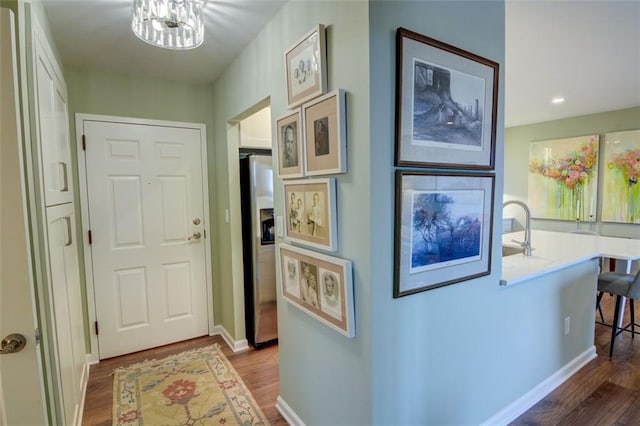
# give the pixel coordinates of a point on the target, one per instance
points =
(234, 345)
(83, 393)
(289, 415)
(526, 401)
(92, 358)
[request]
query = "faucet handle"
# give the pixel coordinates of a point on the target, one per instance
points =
(522, 243)
(526, 246)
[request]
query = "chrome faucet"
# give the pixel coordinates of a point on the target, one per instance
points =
(526, 244)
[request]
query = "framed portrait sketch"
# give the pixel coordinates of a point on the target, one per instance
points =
(325, 134)
(446, 104)
(290, 150)
(310, 212)
(319, 285)
(443, 229)
(306, 69)
(621, 177)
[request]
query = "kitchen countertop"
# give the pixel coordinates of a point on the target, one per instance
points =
(553, 251)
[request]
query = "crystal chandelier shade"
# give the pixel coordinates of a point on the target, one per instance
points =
(172, 24)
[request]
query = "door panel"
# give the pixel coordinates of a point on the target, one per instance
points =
(145, 189)
(125, 211)
(52, 128)
(21, 387)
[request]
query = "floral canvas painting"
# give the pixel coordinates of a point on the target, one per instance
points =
(563, 178)
(620, 186)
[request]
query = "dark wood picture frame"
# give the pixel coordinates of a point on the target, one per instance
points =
(443, 228)
(446, 105)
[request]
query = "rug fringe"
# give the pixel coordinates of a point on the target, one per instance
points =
(148, 361)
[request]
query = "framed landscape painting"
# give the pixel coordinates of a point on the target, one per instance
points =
(290, 149)
(563, 178)
(306, 68)
(319, 285)
(310, 212)
(443, 229)
(621, 177)
(446, 104)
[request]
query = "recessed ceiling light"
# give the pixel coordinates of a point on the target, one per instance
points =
(557, 100)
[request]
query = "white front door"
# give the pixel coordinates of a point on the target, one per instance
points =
(21, 386)
(148, 224)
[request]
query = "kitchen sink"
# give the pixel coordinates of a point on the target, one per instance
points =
(508, 250)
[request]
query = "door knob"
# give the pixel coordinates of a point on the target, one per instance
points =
(195, 236)
(12, 343)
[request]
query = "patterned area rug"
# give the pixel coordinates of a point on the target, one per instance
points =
(198, 387)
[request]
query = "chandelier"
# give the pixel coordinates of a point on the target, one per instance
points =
(172, 24)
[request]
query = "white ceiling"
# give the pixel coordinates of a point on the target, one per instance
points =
(586, 51)
(97, 34)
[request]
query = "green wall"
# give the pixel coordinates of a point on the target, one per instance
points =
(517, 141)
(99, 92)
(324, 377)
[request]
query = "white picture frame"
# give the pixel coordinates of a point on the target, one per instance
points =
(310, 212)
(305, 67)
(289, 145)
(319, 285)
(325, 134)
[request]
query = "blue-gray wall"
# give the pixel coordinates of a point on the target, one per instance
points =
(461, 353)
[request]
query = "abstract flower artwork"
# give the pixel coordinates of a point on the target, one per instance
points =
(563, 178)
(621, 177)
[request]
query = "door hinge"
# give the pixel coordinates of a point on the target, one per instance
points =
(96, 327)
(205, 233)
(37, 336)
(90, 237)
(84, 143)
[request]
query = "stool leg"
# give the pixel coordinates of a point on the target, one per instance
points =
(598, 300)
(633, 319)
(614, 326)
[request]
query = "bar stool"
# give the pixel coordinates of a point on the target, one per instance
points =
(600, 264)
(621, 285)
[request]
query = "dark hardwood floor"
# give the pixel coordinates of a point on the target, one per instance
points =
(604, 392)
(258, 369)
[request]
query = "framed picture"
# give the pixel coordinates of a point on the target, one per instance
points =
(320, 285)
(443, 229)
(325, 134)
(290, 149)
(446, 104)
(563, 178)
(310, 212)
(621, 177)
(305, 65)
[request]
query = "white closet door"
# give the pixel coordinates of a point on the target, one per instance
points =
(67, 311)
(52, 126)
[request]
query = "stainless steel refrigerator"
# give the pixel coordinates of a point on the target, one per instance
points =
(256, 195)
